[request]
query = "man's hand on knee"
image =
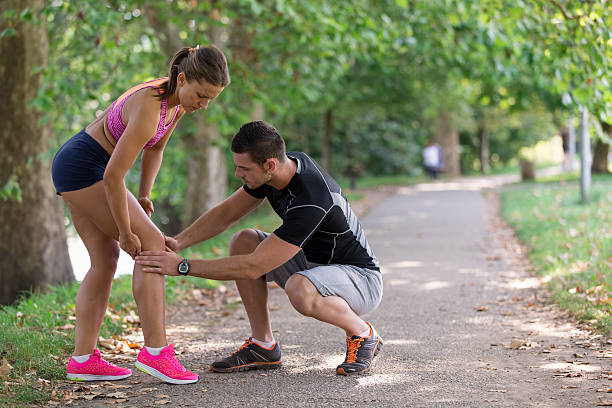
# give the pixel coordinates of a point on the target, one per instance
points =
(162, 262)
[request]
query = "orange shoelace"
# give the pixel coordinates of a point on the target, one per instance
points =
(353, 347)
(246, 344)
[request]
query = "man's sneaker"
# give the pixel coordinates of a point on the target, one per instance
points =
(250, 356)
(359, 353)
(165, 366)
(95, 369)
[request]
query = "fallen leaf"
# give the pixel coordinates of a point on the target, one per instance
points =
(115, 386)
(569, 386)
(162, 402)
(604, 403)
(89, 397)
(5, 368)
(515, 344)
(604, 390)
(162, 396)
(117, 394)
(482, 308)
(67, 326)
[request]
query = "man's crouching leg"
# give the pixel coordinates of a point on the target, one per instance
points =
(260, 350)
(363, 343)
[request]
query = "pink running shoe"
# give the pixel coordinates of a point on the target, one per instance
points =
(95, 369)
(165, 366)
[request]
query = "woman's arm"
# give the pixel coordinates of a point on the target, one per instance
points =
(150, 164)
(142, 123)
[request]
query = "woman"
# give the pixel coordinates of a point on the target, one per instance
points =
(89, 171)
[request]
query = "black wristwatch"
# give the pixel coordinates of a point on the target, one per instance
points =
(183, 267)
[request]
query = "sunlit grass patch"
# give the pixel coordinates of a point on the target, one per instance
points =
(569, 242)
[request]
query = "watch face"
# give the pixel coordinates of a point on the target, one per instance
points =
(183, 267)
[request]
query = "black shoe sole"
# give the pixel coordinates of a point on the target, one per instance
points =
(247, 367)
(367, 370)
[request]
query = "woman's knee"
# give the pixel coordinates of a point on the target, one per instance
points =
(152, 240)
(106, 258)
(244, 242)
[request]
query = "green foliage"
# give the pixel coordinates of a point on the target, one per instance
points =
(386, 70)
(569, 243)
(11, 190)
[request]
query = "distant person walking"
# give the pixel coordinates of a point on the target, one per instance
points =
(433, 159)
(319, 255)
(89, 171)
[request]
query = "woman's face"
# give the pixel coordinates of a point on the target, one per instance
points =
(195, 95)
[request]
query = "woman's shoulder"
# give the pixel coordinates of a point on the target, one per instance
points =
(143, 102)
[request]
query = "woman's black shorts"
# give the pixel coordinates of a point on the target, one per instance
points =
(79, 163)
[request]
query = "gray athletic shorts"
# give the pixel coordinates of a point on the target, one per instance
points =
(360, 287)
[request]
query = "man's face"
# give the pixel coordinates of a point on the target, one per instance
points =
(252, 174)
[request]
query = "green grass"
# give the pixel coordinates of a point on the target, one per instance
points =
(32, 343)
(511, 168)
(569, 243)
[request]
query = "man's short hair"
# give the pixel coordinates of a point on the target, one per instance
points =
(260, 140)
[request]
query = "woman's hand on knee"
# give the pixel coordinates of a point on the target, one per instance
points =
(130, 243)
(147, 205)
(171, 244)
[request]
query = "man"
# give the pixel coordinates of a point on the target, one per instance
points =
(319, 254)
(433, 159)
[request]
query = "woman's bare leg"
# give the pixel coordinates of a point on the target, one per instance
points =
(148, 289)
(92, 298)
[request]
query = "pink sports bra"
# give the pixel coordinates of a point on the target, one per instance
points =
(115, 121)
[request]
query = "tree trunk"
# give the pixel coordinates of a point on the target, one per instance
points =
(33, 247)
(600, 156)
(485, 165)
(206, 166)
(259, 111)
(206, 172)
(303, 137)
(448, 138)
(327, 159)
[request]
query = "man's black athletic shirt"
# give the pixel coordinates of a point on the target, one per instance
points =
(317, 217)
